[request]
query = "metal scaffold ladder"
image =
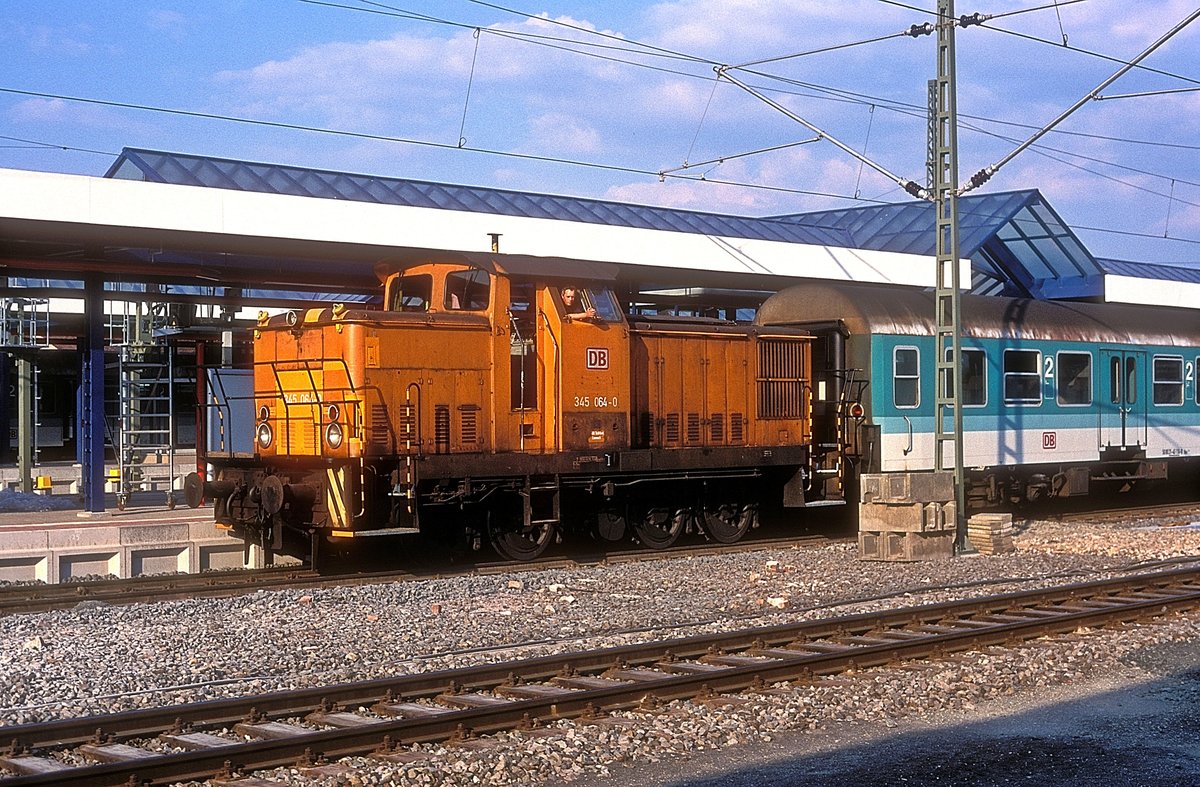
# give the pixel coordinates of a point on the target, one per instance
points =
(145, 423)
(24, 330)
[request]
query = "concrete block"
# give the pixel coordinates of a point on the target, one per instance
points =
(214, 557)
(73, 539)
(23, 540)
(82, 564)
(906, 546)
(911, 517)
(923, 487)
(159, 560)
(203, 531)
(24, 568)
(153, 534)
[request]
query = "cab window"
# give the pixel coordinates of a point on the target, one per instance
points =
(411, 293)
(468, 290)
(604, 303)
(581, 299)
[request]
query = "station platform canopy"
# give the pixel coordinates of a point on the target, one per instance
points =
(653, 247)
(1017, 244)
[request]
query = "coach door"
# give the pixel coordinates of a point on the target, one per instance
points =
(1122, 399)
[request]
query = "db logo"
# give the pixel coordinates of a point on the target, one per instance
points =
(597, 357)
(1049, 440)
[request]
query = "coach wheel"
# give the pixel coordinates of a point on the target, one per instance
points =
(514, 540)
(726, 523)
(657, 529)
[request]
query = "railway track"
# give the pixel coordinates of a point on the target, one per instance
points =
(32, 598)
(1181, 510)
(381, 717)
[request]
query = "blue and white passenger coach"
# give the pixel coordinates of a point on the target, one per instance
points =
(1059, 398)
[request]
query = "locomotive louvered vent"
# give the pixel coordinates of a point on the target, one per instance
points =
(441, 429)
(718, 428)
(693, 427)
(380, 428)
(735, 428)
(780, 378)
(469, 413)
(645, 428)
(672, 428)
(408, 425)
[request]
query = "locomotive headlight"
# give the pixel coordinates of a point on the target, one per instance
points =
(264, 435)
(263, 413)
(333, 436)
(856, 410)
(333, 412)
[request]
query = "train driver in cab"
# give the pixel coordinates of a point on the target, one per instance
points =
(574, 306)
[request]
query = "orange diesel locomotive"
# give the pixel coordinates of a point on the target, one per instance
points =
(486, 403)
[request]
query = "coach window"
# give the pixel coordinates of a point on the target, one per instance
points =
(974, 371)
(1168, 379)
(1074, 378)
(1022, 377)
(906, 377)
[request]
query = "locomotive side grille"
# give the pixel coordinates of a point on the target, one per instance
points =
(469, 426)
(693, 427)
(780, 378)
(717, 422)
(441, 429)
(735, 428)
(379, 428)
(672, 428)
(408, 424)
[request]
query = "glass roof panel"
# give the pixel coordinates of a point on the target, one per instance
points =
(247, 176)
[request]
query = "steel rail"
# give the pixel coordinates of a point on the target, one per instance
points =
(680, 668)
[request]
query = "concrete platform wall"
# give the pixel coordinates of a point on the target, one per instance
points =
(128, 550)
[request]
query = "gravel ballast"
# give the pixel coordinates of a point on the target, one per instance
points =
(97, 658)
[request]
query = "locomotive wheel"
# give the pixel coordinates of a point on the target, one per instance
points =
(656, 528)
(726, 523)
(512, 540)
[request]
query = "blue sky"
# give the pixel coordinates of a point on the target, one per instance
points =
(543, 85)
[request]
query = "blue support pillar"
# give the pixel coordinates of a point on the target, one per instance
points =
(91, 395)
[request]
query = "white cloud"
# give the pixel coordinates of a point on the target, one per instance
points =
(721, 28)
(58, 41)
(564, 134)
(173, 24)
(59, 113)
